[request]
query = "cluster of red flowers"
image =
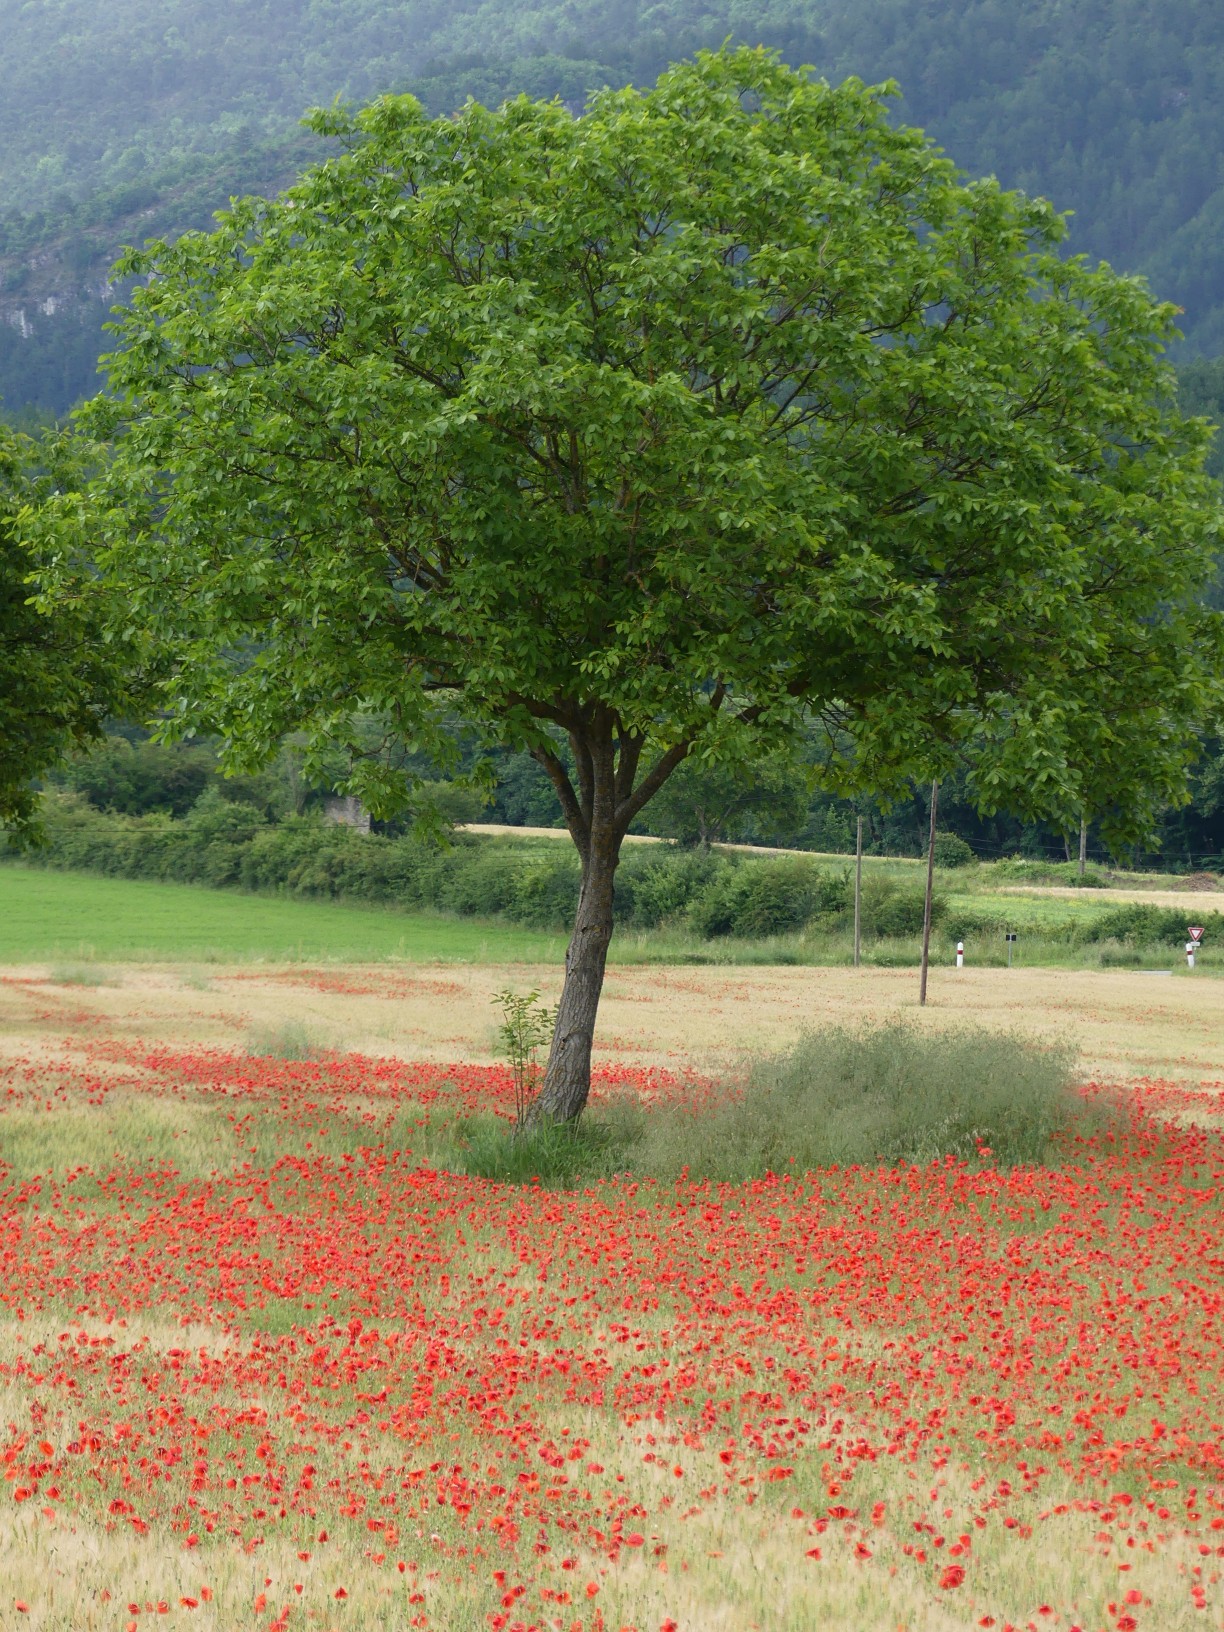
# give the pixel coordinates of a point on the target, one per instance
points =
(415, 1337)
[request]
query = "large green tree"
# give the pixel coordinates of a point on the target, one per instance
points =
(723, 407)
(61, 672)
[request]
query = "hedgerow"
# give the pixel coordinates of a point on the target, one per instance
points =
(710, 893)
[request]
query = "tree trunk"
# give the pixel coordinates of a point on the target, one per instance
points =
(567, 1078)
(598, 812)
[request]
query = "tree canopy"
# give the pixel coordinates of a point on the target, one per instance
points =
(60, 674)
(727, 406)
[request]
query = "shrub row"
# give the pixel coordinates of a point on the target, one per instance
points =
(1137, 924)
(1133, 924)
(708, 893)
(1026, 871)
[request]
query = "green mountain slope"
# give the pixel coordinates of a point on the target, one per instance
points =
(136, 116)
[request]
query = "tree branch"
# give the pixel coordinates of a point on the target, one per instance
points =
(650, 784)
(579, 825)
(585, 767)
(630, 745)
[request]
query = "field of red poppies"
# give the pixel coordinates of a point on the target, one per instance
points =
(262, 1364)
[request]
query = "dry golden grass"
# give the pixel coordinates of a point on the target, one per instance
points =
(1126, 1024)
(1189, 900)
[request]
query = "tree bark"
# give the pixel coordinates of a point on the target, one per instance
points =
(567, 1078)
(598, 813)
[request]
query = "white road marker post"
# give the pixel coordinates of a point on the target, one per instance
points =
(960, 954)
(1010, 938)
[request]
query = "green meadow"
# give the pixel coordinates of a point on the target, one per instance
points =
(48, 913)
(45, 914)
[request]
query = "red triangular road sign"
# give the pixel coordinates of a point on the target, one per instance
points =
(1196, 934)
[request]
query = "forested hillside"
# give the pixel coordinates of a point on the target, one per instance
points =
(141, 116)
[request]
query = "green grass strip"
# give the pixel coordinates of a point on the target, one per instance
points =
(46, 914)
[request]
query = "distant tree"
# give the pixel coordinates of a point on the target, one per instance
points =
(135, 778)
(704, 804)
(61, 673)
(523, 795)
(722, 411)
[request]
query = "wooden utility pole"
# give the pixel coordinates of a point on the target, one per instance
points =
(926, 911)
(858, 894)
(1083, 844)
